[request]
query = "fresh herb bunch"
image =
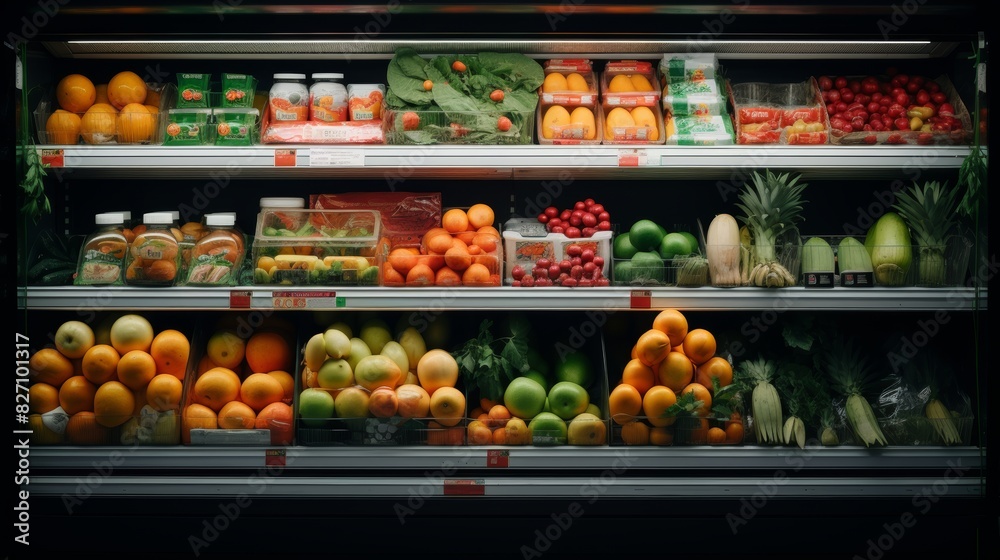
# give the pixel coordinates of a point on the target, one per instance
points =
(36, 203)
(490, 363)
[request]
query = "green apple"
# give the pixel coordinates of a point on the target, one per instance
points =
(343, 327)
(575, 367)
(568, 399)
(336, 343)
(586, 429)
(316, 405)
(537, 376)
(359, 349)
(594, 409)
(375, 333)
(547, 429)
(74, 338)
(315, 351)
(524, 397)
(351, 402)
(335, 373)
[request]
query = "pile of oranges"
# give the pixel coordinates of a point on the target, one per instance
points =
(124, 110)
(463, 251)
(99, 387)
(668, 361)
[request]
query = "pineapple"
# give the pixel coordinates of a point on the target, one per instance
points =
(930, 212)
(772, 208)
(851, 376)
(827, 433)
(765, 403)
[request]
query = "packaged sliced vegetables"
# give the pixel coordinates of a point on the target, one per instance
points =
(688, 67)
(192, 90)
(699, 131)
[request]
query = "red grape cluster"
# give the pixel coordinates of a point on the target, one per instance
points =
(582, 268)
(584, 220)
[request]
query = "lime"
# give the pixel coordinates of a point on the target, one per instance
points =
(622, 247)
(692, 241)
(623, 272)
(647, 266)
(645, 235)
(674, 244)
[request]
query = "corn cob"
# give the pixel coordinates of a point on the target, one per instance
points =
(940, 417)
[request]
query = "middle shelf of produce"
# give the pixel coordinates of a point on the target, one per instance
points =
(500, 298)
(499, 162)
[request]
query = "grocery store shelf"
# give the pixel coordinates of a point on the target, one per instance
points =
(440, 299)
(497, 162)
(460, 471)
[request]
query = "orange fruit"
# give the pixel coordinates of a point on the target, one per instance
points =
(499, 415)
(83, 428)
(77, 395)
(126, 87)
(432, 232)
(390, 276)
(486, 241)
(479, 433)
(197, 416)
(699, 345)
(170, 350)
(661, 435)
(635, 432)
(237, 416)
(216, 387)
(135, 369)
(716, 435)
(447, 405)
(437, 369)
(153, 98)
(164, 392)
(42, 398)
(480, 215)
(447, 277)
(98, 124)
(624, 403)
(287, 383)
(466, 236)
(675, 371)
(135, 124)
(439, 242)
(700, 393)
(672, 322)
(75, 93)
(100, 363)
(47, 365)
(455, 220)
(500, 436)
(716, 367)
(260, 389)
(457, 258)
(403, 259)
(477, 275)
(114, 404)
(420, 275)
(639, 375)
(267, 351)
(276, 417)
(734, 432)
(652, 346)
(655, 404)
(63, 127)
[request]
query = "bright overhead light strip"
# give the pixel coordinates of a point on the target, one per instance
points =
(466, 41)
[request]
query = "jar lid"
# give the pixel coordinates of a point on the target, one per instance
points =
(282, 202)
(127, 214)
(329, 76)
(289, 76)
(157, 218)
(109, 218)
(221, 219)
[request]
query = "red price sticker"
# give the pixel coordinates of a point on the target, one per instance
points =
(274, 457)
(239, 299)
(631, 158)
(284, 158)
(53, 158)
(499, 458)
(640, 299)
(464, 487)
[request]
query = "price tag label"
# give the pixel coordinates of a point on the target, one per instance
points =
(327, 157)
(239, 299)
(53, 158)
(632, 158)
(303, 300)
(284, 158)
(274, 457)
(464, 487)
(498, 458)
(640, 299)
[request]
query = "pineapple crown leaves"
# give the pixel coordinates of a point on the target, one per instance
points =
(848, 369)
(772, 203)
(929, 210)
(758, 371)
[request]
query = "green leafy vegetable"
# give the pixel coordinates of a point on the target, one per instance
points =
(485, 368)
(36, 203)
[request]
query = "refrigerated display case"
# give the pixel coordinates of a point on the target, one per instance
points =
(507, 500)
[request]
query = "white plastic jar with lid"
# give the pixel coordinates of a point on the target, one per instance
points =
(288, 99)
(328, 98)
(102, 258)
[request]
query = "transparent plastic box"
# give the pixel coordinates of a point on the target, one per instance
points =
(572, 133)
(791, 113)
(568, 66)
(622, 96)
(525, 251)
(457, 127)
(106, 127)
